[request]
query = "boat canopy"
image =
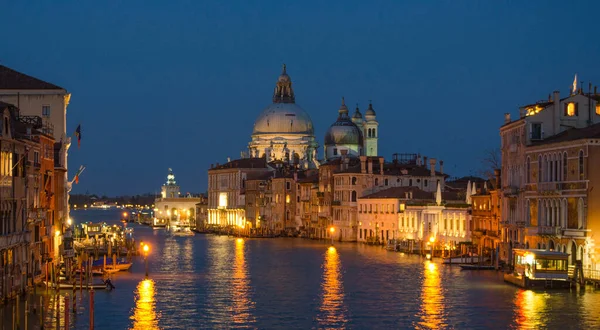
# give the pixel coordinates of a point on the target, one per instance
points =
(542, 254)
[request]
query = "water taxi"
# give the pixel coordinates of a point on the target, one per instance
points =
(543, 269)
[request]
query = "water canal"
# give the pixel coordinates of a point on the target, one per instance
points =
(222, 282)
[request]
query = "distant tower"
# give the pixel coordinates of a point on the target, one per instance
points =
(371, 131)
(170, 189)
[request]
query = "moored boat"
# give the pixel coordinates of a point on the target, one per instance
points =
(539, 269)
(69, 286)
(465, 259)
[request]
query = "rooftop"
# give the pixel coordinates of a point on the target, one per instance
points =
(589, 132)
(11, 79)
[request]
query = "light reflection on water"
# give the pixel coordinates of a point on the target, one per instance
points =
(144, 315)
(209, 281)
(242, 304)
(332, 312)
(432, 299)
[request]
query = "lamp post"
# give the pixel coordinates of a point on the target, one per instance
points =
(331, 231)
(146, 248)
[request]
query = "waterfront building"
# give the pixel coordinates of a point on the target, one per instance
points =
(547, 190)
(26, 193)
(308, 207)
(410, 214)
(284, 131)
(173, 209)
(227, 188)
(201, 213)
(35, 97)
(486, 213)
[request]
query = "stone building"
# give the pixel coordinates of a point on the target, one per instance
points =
(412, 217)
(546, 187)
(173, 209)
(227, 190)
(486, 214)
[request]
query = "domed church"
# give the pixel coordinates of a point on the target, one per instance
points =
(354, 136)
(284, 131)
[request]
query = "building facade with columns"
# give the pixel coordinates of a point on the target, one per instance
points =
(545, 200)
(173, 209)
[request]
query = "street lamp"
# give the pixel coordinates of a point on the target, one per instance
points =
(146, 248)
(331, 230)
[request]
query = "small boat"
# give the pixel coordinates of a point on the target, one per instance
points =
(70, 286)
(183, 232)
(476, 267)
(465, 259)
(111, 269)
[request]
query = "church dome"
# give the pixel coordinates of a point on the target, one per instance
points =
(283, 118)
(343, 131)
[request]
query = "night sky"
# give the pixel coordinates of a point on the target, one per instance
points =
(179, 84)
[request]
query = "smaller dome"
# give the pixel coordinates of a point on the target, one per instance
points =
(343, 131)
(370, 111)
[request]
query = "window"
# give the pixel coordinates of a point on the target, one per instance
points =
(385, 182)
(425, 182)
(598, 108)
(353, 196)
(527, 177)
(536, 131)
(373, 133)
(335, 151)
(46, 111)
(564, 178)
(410, 182)
(571, 109)
(223, 199)
(581, 176)
(376, 182)
(288, 185)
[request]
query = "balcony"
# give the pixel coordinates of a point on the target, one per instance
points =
(336, 203)
(320, 194)
(552, 231)
(575, 233)
(510, 191)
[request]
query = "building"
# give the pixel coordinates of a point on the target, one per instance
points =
(201, 213)
(547, 196)
(413, 217)
(227, 190)
(284, 131)
(26, 204)
(172, 208)
(35, 97)
(485, 219)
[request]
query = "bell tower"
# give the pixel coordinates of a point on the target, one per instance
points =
(371, 131)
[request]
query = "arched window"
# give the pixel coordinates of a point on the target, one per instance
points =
(527, 178)
(546, 172)
(581, 176)
(556, 159)
(539, 168)
(353, 180)
(376, 182)
(353, 196)
(564, 178)
(374, 133)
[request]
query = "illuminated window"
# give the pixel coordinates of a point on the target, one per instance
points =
(571, 109)
(287, 199)
(223, 199)
(598, 108)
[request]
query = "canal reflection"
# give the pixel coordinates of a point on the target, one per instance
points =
(432, 314)
(528, 309)
(241, 302)
(332, 312)
(144, 315)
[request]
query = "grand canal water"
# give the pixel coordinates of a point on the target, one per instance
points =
(222, 282)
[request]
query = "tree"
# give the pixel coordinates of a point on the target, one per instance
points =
(492, 160)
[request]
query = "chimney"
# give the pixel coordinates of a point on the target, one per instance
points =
(419, 160)
(406, 195)
(363, 164)
(497, 175)
(442, 166)
(228, 159)
(507, 118)
(381, 165)
(432, 166)
(410, 194)
(370, 166)
(212, 165)
(424, 161)
(295, 176)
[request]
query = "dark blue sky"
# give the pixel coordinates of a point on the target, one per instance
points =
(179, 84)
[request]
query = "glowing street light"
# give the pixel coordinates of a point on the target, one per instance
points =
(331, 230)
(146, 248)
